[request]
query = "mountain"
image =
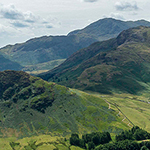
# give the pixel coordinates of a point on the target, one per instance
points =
(117, 65)
(6, 64)
(30, 105)
(49, 48)
(107, 28)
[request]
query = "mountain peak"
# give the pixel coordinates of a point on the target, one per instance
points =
(136, 34)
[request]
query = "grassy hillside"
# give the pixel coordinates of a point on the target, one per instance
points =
(29, 106)
(34, 112)
(41, 142)
(117, 65)
(131, 110)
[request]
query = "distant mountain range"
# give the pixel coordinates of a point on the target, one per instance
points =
(49, 48)
(120, 64)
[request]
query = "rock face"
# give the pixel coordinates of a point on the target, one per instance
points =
(116, 65)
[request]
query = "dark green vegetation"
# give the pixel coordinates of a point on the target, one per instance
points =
(125, 145)
(92, 140)
(48, 48)
(135, 133)
(30, 105)
(116, 65)
(127, 140)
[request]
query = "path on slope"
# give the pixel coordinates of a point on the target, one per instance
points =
(130, 124)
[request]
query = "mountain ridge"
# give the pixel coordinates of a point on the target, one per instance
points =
(104, 66)
(49, 48)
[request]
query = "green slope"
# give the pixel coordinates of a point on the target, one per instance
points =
(117, 65)
(47, 112)
(131, 110)
(30, 105)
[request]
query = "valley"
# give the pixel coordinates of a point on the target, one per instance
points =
(56, 87)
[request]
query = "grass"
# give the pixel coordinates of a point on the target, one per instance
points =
(43, 142)
(100, 111)
(70, 111)
(135, 108)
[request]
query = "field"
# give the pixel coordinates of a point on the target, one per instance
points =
(41, 142)
(135, 108)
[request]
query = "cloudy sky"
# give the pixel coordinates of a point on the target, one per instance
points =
(21, 20)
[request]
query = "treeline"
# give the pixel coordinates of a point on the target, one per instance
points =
(135, 133)
(127, 140)
(125, 145)
(90, 141)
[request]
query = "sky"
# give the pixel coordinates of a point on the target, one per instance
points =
(21, 20)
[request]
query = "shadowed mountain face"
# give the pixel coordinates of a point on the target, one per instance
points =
(30, 105)
(117, 65)
(6, 64)
(48, 48)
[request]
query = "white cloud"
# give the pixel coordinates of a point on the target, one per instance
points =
(10, 12)
(21, 19)
(126, 6)
(19, 24)
(116, 16)
(30, 17)
(91, 1)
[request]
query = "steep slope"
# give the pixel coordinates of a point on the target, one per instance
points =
(117, 65)
(30, 105)
(6, 64)
(47, 48)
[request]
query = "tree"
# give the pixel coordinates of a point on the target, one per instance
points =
(74, 139)
(87, 138)
(147, 144)
(140, 134)
(91, 146)
(134, 129)
(82, 143)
